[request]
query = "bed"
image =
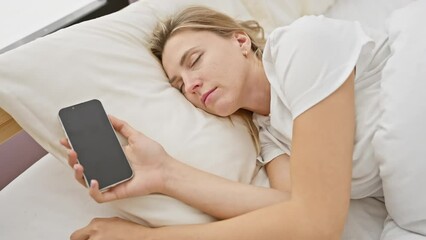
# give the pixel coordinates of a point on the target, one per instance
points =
(79, 63)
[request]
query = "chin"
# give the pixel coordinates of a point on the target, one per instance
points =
(215, 113)
(223, 115)
(224, 112)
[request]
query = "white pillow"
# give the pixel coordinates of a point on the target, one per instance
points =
(315, 7)
(371, 14)
(275, 13)
(400, 140)
(108, 59)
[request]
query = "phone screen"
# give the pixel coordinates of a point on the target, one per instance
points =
(91, 135)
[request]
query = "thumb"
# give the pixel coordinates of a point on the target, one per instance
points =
(122, 127)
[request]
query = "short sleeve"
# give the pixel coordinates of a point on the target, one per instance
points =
(311, 58)
(271, 147)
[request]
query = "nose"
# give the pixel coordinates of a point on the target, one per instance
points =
(192, 83)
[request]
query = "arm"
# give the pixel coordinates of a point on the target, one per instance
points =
(157, 172)
(278, 171)
(220, 197)
(321, 175)
(321, 164)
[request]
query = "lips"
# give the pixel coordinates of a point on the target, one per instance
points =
(206, 95)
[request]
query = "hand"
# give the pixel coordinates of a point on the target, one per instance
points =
(110, 229)
(147, 159)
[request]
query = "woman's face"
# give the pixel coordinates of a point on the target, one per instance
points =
(208, 69)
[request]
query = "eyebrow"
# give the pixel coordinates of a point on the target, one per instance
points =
(182, 61)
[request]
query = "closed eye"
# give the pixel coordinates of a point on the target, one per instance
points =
(182, 87)
(177, 83)
(196, 60)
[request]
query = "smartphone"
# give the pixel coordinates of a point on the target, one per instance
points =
(92, 136)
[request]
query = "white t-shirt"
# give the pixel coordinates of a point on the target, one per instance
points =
(307, 61)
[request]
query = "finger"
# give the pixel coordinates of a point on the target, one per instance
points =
(65, 143)
(99, 196)
(122, 127)
(72, 158)
(78, 168)
(78, 174)
(81, 234)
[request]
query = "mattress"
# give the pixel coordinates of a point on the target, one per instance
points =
(46, 203)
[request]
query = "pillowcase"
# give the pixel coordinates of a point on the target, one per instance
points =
(275, 13)
(310, 7)
(108, 59)
(401, 136)
(371, 14)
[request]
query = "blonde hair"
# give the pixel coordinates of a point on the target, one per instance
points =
(205, 19)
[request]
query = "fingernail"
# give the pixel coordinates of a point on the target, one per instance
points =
(75, 167)
(92, 183)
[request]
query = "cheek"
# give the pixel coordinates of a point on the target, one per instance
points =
(228, 68)
(224, 60)
(226, 104)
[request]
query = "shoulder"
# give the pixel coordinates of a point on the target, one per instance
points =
(303, 24)
(314, 36)
(260, 121)
(309, 59)
(307, 26)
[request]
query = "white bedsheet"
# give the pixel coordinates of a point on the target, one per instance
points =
(46, 203)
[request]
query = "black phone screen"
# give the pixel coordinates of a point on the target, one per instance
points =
(91, 135)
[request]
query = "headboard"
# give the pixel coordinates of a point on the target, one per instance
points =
(13, 161)
(8, 126)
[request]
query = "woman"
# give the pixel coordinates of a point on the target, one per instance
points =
(311, 90)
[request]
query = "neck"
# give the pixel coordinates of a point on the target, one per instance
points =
(258, 90)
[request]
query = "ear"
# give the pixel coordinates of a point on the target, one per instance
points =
(243, 40)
